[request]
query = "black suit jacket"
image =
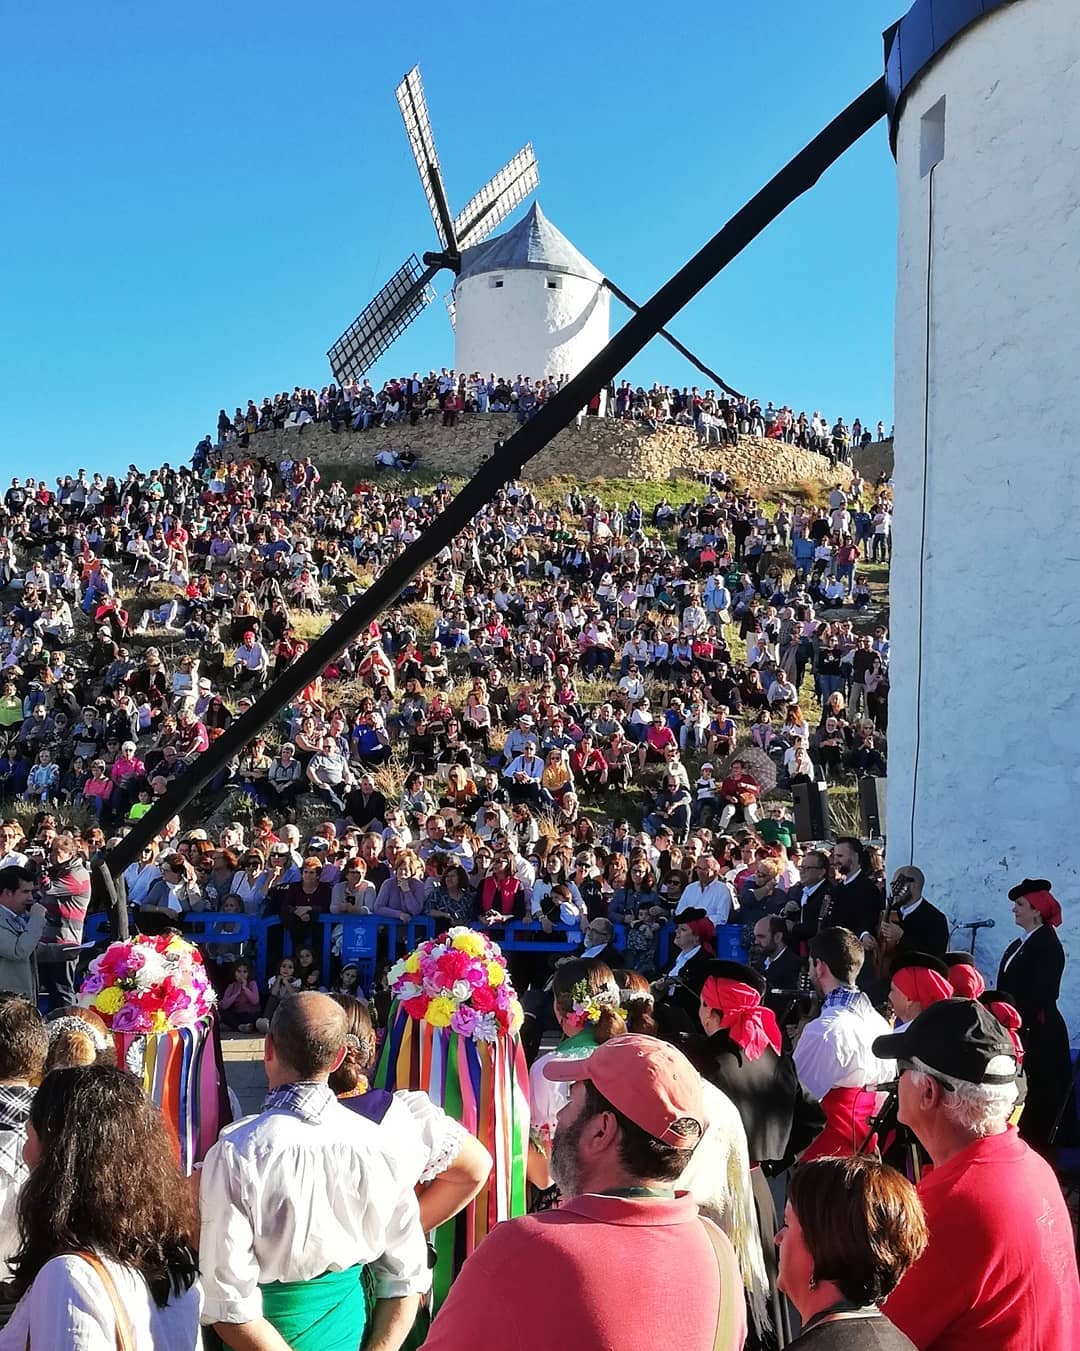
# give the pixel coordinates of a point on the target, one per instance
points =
(677, 1011)
(925, 930)
(784, 972)
(805, 927)
(854, 905)
(1033, 977)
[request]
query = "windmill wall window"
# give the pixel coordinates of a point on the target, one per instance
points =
(496, 283)
(554, 283)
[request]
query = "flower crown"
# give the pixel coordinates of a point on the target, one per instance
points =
(587, 1005)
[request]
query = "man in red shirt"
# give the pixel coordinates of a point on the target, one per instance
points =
(739, 792)
(604, 1269)
(999, 1271)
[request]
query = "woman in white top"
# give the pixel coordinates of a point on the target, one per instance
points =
(104, 1191)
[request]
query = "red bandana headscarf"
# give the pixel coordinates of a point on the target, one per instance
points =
(967, 981)
(922, 985)
(704, 930)
(1045, 904)
(750, 1025)
(1009, 1019)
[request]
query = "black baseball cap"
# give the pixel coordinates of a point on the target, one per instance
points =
(957, 1038)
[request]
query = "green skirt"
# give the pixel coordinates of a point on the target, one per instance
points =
(328, 1313)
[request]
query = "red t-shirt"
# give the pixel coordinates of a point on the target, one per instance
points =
(999, 1272)
(602, 1271)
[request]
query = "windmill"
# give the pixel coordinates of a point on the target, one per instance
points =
(409, 291)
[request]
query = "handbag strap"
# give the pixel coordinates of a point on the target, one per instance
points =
(125, 1336)
(730, 1314)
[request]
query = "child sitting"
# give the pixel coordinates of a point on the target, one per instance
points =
(240, 1001)
(641, 940)
(284, 984)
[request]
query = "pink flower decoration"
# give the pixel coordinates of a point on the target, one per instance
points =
(130, 1019)
(464, 1020)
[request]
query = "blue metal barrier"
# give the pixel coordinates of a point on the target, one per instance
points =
(207, 927)
(368, 941)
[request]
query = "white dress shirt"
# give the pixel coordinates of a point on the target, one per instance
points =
(285, 1199)
(715, 899)
(680, 962)
(834, 1051)
(67, 1307)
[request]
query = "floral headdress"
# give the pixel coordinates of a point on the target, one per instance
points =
(148, 984)
(459, 981)
(588, 1005)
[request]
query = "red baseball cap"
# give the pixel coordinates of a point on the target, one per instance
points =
(650, 1082)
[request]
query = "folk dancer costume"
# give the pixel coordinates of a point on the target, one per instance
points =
(1030, 978)
(746, 1063)
(298, 1203)
(836, 1064)
(680, 988)
(547, 1097)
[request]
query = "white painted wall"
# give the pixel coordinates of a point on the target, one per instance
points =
(523, 328)
(998, 782)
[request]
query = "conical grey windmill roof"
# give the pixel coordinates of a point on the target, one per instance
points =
(532, 243)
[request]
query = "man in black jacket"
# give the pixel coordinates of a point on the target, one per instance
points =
(855, 902)
(802, 911)
(914, 925)
(780, 965)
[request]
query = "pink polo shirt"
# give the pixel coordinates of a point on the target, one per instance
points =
(602, 1271)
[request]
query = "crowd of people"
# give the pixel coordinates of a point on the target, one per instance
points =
(581, 715)
(669, 1147)
(447, 395)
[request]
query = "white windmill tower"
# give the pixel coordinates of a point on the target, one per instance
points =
(985, 122)
(525, 303)
(528, 303)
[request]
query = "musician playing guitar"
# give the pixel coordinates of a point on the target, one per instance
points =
(912, 923)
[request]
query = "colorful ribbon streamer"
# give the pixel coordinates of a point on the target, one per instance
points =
(484, 1085)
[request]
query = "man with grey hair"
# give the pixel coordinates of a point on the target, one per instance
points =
(298, 1200)
(1000, 1267)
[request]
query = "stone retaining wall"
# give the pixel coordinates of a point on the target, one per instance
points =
(600, 448)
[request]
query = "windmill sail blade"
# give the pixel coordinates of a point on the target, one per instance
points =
(382, 320)
(414, 113)
(497, 198)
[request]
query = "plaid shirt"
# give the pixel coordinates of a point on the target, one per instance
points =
(308, 1101)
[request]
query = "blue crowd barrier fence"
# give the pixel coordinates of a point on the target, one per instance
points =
(370, 941)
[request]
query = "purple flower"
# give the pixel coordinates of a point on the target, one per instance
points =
(130, 1019)
(464, 1021)
(93, 984)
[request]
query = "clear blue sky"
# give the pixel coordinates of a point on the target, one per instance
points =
(200, 198)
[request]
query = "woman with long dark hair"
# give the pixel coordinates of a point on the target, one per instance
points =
(107, 1223)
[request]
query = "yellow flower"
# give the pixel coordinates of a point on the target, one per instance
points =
(593, 1014)
(496, 973)
(160, 1022)
(440, 1011)
(517, 1015)
(472, 943)
(109, 1002)
(412, 963)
